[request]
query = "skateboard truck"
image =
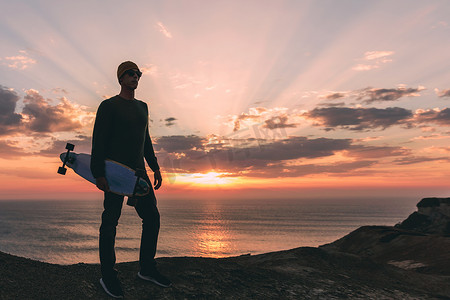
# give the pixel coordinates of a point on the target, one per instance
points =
(133, 200)
(62, 170)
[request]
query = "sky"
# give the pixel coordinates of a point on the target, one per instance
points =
(247, 99)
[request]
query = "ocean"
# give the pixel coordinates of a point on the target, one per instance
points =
(66, 232)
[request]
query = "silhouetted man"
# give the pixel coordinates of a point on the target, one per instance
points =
(121, 134)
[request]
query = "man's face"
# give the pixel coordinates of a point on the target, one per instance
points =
(130, 78)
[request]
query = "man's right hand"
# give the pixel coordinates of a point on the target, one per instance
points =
(102, 184)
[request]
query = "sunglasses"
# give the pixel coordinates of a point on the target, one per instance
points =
(131, 73)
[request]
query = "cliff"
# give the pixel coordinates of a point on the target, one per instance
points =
(420, 243)
(373, 262)
(432, 217)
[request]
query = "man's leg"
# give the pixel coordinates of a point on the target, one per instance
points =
(110, 218)
(148, 212)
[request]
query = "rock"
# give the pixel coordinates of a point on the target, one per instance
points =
(432, 217)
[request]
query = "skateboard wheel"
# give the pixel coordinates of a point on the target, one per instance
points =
(62, 171)
(70, 146)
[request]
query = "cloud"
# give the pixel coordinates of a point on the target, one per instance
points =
(434, 136)
(255, 114)
(41, 116)
(362, 67)
(182, 86)
(244, 155)
(82, 145)
(273, 118)
(182, 81)
(59, 91)
(50, 147)
(370, 95)
(10, 121)
(331, 96)
(443, 93)
(374, 60)
(170, 121)
(278, 122)
(334, 95)
(345, 168)
(160, 26)
(328, 104)
(376, 55)
(268, 158)
(419, 159)
(336, 115)
(358, 118)
(297, 147)
(149, 69)
(435, 116)
(362, 151)
(21, 61)
(445, 150)
(440, 24)
(9, 150)
(375, 118)
(179, 143)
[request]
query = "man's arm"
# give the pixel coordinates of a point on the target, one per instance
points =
(150, 157)
(99, 142)
(102, 184)
(158, 179)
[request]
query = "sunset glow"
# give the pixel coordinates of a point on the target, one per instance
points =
(204, 180)
(290, 98)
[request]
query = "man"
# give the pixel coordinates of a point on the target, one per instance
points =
(121, 134)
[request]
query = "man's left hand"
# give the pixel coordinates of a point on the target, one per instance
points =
(158, 179)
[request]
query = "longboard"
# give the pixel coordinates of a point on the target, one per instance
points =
(122, 180)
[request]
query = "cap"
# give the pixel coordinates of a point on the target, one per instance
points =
(125, 66)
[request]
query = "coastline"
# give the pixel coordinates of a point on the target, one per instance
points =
(406, 261)
(300, 273)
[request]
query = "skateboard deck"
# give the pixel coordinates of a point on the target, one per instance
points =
(121, 179)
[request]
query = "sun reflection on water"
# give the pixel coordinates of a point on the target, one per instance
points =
(213, 238)
(212, 244)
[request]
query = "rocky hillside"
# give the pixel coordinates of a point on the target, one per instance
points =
(373, 262)
(420, 243)
(432, 217)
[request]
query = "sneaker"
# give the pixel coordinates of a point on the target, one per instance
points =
(155, 277)
(112, 287)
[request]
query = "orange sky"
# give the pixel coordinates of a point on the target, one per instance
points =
(291, 99)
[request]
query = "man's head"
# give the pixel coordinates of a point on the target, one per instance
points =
(127, 71)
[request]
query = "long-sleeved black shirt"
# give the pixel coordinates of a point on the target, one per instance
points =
(121, 134)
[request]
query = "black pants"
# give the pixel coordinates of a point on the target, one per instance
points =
(148, 212)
